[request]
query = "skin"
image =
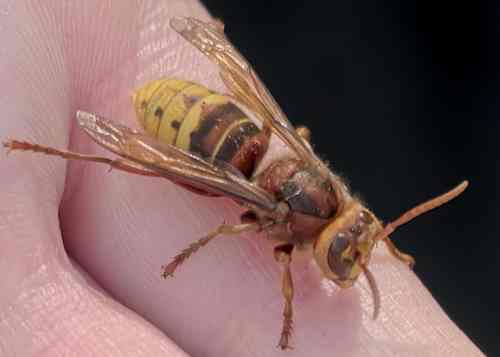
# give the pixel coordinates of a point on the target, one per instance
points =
(81, 247)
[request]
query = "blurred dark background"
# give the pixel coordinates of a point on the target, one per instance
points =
(402, 98)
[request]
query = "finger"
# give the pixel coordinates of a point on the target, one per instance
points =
(47, 306)
(226, 300)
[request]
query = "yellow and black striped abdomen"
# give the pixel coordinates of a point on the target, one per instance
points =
(198, 120)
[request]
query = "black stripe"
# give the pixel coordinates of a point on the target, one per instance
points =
(219, 116)
(235, 139)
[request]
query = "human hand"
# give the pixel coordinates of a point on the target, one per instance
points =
(121, 228)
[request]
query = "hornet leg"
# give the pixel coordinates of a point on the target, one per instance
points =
(283, 255)
(304, 133)
(169, 269)
(396, 253)
(119, 164)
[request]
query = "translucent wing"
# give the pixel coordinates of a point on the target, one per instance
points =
(242, 81)
(173, 163)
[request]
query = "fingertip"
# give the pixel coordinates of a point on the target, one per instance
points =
(410, 320)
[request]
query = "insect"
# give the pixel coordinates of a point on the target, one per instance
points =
(205, 142)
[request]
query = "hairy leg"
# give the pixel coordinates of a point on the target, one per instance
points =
(283, 255)
(396, 253)
(119, 164)
(224, 229)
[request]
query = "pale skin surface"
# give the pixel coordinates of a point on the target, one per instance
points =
(62, 56)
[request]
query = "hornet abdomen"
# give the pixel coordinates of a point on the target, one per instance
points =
(196, 119)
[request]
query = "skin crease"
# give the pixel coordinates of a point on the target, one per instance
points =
(121, 228)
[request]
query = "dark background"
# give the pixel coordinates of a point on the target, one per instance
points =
(402, 98)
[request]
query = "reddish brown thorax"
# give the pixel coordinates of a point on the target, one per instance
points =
(312, 199)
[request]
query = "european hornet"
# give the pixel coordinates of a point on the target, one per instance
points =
(205, 142)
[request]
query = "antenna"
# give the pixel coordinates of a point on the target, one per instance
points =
(421, 209)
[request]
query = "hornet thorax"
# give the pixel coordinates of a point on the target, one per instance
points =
(312, 199)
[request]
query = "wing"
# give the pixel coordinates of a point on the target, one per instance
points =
(173, 163)
(240, 78)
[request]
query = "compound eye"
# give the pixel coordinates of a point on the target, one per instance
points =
(339, 258)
